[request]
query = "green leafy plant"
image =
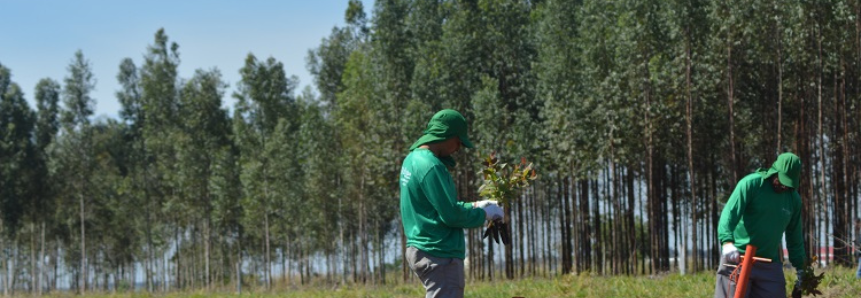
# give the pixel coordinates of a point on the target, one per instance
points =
(809, 283)
(503, 183)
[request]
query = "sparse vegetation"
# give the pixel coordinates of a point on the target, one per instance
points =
(839, 282)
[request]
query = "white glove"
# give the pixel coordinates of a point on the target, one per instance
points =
(482, 204)
(730, 253)
(493, 211)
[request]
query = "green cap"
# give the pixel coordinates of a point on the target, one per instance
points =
(788, 169)
(444, 124)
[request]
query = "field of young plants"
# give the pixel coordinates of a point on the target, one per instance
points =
(838, 282)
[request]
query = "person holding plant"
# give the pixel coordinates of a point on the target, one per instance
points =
(431, 214)
(763, 206)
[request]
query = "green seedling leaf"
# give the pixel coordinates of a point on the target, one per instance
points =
(503, 183)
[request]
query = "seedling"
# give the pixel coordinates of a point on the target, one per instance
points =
(503, 183)
(809, 280)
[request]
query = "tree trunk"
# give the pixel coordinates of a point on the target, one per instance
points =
(42, 270)
(596, 226)
(239, 260)
(520, 230)
(822, 187)
(509, 256)
(165, 286)
(56, 263)
(564, 223)
(342, 247)
(33, 273)
(845, 177)
(179, 280)
(405, 269)
(206, 246)
(4, 260)
(651, 197)
(779, 90)
(192, 268)
(83, 288)
(585, 229)
(150, 256)
(632, 230)
(689, 113)
(266, 258)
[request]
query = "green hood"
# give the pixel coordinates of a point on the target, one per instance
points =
(444, 124)
(788, 169)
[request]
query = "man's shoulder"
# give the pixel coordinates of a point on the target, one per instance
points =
(751, 180)
(421, 162)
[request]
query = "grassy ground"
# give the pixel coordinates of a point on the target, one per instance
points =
(838, 282)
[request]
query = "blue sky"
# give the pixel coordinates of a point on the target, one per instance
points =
(41, 37)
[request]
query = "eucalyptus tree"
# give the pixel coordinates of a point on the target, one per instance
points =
(390, 39)
(626, 76)
(17, 153)
(599, 42)
(424, 47)
(203, 133)
(492, 131)
(78, 108)
(509, 56)
(289, 214)
(47, 125)
(558, 85)
(317, 148)
(327, 63)
(109, 225)
(391, 65)
(227, 208)
(158, 106)
(732, 39)
(47, 102)
(649, 84)
(264, 99)
(845, 74)
(687, 30)
(135, 175)
(354, 118)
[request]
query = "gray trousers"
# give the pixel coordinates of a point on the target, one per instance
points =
(442, 277)
(766, 280)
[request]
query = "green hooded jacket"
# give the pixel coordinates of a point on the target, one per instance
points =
(433, 218)
(756, 214)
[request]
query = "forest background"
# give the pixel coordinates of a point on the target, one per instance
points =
(640, 116)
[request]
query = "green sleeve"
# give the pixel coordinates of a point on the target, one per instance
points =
(443, 198)
(734, 209)
(795, 237)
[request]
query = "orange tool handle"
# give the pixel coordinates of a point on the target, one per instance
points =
(757, 259)
(746, 265)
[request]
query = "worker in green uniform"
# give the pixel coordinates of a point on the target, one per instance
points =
(763, 206)
(431, 213)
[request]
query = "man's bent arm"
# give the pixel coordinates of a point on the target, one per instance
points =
(795, 238)
(734, 209)
(443, 197)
